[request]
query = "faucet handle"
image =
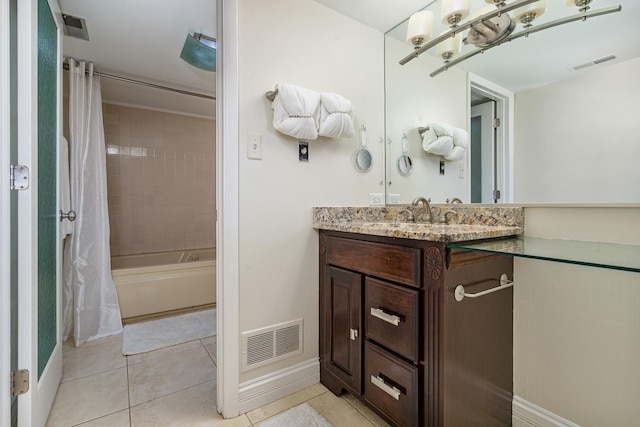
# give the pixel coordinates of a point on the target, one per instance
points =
(410, 216)
(443, 216)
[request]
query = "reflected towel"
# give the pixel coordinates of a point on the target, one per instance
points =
(336, 116)
(438, 139)
(460, 142)
(66, 226)
(296, 111)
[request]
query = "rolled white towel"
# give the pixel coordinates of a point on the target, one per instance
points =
(336, 116)
(460, 137)
(457, 153)
(460, 142)
(438, 139)
(441, 146)
(436, 130)
(296, 111)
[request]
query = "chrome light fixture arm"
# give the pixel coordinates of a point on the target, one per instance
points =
(458, 29)
(525, 33)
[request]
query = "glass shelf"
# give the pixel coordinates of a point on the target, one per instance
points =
(594, 254)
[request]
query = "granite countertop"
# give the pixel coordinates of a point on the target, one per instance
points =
(469, 223)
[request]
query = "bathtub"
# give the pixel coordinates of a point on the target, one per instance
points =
(158, 283)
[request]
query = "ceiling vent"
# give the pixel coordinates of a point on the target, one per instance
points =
(267, 345)
(594, 62)
(76, 27)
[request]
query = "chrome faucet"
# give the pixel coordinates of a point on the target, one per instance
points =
(425, 206)
(454, 200)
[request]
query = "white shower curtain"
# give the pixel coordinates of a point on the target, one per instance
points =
(90, 301)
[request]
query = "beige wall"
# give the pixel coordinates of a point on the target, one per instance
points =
(161, 180)
(304, 43)
(576, 328)
(576, 141)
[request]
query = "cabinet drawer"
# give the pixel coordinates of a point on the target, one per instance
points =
(391, 385)
(391, 317)
(397, 263)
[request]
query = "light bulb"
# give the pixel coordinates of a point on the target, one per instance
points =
(527, 13)
(420, 27)
(449, 47)
(454, 11)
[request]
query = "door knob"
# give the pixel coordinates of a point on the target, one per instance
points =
(71, 215)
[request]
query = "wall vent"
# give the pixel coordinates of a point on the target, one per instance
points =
(76, 27)
(270, 344)
(594, 62)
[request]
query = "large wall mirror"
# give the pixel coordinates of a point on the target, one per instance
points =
(567, 99)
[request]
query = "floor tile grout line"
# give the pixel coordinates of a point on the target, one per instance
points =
(172, 393)
(163, 355)
(92, 375)
(128, 392)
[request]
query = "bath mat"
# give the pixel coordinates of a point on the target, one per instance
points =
(155, 334)
(301, 415)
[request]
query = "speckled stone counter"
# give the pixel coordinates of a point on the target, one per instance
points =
(469, 222)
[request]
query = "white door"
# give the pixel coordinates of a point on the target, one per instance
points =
(39, 112)
(8, 316)
(483, 153)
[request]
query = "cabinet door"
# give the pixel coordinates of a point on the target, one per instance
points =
(344, 302)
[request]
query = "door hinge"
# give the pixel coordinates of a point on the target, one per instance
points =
(496, 194)
(18, 177)
(496, 122)
(19, 382)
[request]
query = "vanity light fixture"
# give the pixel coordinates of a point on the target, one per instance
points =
(488, 27)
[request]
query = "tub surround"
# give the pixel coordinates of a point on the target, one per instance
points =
(469, 222)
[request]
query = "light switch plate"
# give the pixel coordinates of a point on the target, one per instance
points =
(254, 146)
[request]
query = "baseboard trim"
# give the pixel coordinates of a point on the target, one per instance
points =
(526, 414)
(269, 388)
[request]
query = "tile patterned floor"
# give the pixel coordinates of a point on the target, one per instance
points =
(173, 386)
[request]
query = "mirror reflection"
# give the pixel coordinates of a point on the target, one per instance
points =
(362, 157)
(405, 164)
(564, 103)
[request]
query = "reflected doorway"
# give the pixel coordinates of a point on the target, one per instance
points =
(491, 137)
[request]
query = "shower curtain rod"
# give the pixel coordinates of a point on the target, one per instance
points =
(65, 65)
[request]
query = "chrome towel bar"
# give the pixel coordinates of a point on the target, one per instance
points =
(505, 283)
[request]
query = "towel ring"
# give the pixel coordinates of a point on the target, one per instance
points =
(422, 130)
(271, 95)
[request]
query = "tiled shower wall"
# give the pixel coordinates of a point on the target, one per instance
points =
(161, 180)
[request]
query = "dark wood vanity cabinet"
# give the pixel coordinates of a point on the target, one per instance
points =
(393, 335)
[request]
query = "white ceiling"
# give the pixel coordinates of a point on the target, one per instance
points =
(529, 62)
(142, 39)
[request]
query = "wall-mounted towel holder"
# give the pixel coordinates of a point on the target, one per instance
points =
(422, 130)
(271, 95)
(505, 283)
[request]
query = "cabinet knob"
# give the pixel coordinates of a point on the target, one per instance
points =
(353, 334)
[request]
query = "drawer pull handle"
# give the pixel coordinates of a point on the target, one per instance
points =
(391, 391)
(389, 318)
